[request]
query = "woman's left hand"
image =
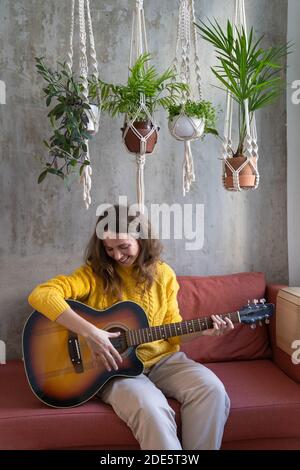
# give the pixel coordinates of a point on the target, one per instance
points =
(220, 326)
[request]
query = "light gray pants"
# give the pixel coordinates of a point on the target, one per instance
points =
(141, 402)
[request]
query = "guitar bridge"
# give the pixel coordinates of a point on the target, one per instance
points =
(74, 352)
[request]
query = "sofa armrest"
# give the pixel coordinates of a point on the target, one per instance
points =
(280, 357)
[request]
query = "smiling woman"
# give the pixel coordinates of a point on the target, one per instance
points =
(124, 249)
(125, 265)
(117, 236)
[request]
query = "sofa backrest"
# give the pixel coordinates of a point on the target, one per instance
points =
(202, 296)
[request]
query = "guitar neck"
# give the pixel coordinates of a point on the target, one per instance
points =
(155, 333)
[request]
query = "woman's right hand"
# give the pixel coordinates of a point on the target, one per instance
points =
(97, 339)
(102, 349)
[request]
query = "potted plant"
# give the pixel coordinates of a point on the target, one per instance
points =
(192, 119)
(252, 75)
(144, 85)
(73, 121)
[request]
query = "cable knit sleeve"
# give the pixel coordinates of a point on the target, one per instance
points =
(49, 298)
(172, 288)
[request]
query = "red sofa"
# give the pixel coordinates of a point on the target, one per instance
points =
(260, 379)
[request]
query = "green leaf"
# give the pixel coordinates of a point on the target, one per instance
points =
(42, 176)
(52, 120)
(209, 130)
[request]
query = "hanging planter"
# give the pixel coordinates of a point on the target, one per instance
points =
(140, 137)
(66, 147)
(251, 76)
(193, 118)
(76, 114)
(146, 91)
(184, 127)
(240, 171)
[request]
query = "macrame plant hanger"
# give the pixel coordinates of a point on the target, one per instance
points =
(233, 177)
(183, 127)
(93, 114)
(144, 137)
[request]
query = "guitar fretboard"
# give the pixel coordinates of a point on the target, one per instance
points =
(155, 333)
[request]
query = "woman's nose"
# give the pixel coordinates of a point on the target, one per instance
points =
(117, 255)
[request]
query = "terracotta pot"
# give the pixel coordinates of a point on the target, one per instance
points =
(246, 175)
(133, 142)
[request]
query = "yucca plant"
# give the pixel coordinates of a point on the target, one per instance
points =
(246, 69)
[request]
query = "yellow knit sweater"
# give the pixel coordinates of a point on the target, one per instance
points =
(159, 302)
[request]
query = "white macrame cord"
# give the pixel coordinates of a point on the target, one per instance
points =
(250, 143)
(85, 16)
(139, 46)
(185, 45)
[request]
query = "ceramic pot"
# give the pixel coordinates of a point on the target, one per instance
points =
(133, 141)
(186, 128)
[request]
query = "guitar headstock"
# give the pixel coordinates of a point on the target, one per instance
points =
(256, 311)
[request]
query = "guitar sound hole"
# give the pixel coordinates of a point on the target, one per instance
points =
(119, 343)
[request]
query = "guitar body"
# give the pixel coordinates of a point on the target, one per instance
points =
(59, 364)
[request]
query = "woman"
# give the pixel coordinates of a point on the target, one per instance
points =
(122, 263)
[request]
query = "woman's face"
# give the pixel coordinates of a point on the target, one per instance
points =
(123, 248)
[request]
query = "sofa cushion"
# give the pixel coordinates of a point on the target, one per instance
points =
(202, 296)
(265, 408)
(26, 423)
(265, 402)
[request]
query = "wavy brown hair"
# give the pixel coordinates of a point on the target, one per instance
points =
(105, 266)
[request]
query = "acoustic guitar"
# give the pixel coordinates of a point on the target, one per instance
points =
(59, 364)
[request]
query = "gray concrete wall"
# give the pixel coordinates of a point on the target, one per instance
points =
(293, 141)
(44, 228)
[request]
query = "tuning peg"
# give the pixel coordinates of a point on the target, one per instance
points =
(267, 321)
(255, 301)
(253, 326)
(262, 301)
(249, 303)
(260, 323)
